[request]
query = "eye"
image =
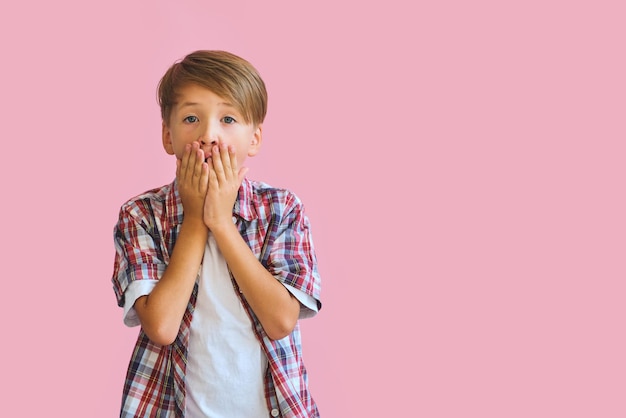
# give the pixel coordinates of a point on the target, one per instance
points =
(228, 120)
(191, 119)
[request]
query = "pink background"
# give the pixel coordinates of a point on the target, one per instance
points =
(462, 164)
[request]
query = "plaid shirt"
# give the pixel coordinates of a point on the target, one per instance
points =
(273, 224)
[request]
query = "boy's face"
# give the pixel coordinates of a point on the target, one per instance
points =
(201, 115)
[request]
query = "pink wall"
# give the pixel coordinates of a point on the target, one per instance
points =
(462, 164)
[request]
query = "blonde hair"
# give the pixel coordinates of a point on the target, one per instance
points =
(225, 74)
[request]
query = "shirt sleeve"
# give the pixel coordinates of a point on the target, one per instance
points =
(134, 291)
(292, 258)
(139, 254)
(308, 302)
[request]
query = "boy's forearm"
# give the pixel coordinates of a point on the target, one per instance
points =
(272, 303)
(161, 312)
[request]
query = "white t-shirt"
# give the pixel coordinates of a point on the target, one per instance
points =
(226, 364)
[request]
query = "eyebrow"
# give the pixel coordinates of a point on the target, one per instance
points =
(191, 104)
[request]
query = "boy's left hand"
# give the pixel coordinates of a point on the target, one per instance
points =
(225, 178)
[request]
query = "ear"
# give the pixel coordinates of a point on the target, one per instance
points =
(255, 142)
(167, 139)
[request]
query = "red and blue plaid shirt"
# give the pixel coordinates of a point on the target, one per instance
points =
(273, 223)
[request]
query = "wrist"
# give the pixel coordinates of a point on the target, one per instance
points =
(194, 224)
(223, 227)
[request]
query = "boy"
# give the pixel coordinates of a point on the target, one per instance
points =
(217, 269)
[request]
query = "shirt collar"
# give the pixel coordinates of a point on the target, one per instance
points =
(245, 205)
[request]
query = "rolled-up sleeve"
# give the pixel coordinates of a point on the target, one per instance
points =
(133, 292)
(138, 258)
(292, 258)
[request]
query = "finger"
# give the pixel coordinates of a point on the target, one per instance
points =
(204, 177)
(213, 182)
(218, 167)
(198, 162)
(193, 159)
(225, 156)
(184, 164)
(232, 159)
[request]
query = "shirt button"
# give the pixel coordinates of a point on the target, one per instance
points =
(274, 412)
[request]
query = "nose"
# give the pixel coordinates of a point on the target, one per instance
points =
(208, 135)
(206, 141)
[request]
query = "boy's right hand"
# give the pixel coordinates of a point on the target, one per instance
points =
(192, 176)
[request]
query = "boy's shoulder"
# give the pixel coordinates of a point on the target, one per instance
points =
(152, 204)
(266, 201)
(154, 195)
(155, 208)
(264, 191)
